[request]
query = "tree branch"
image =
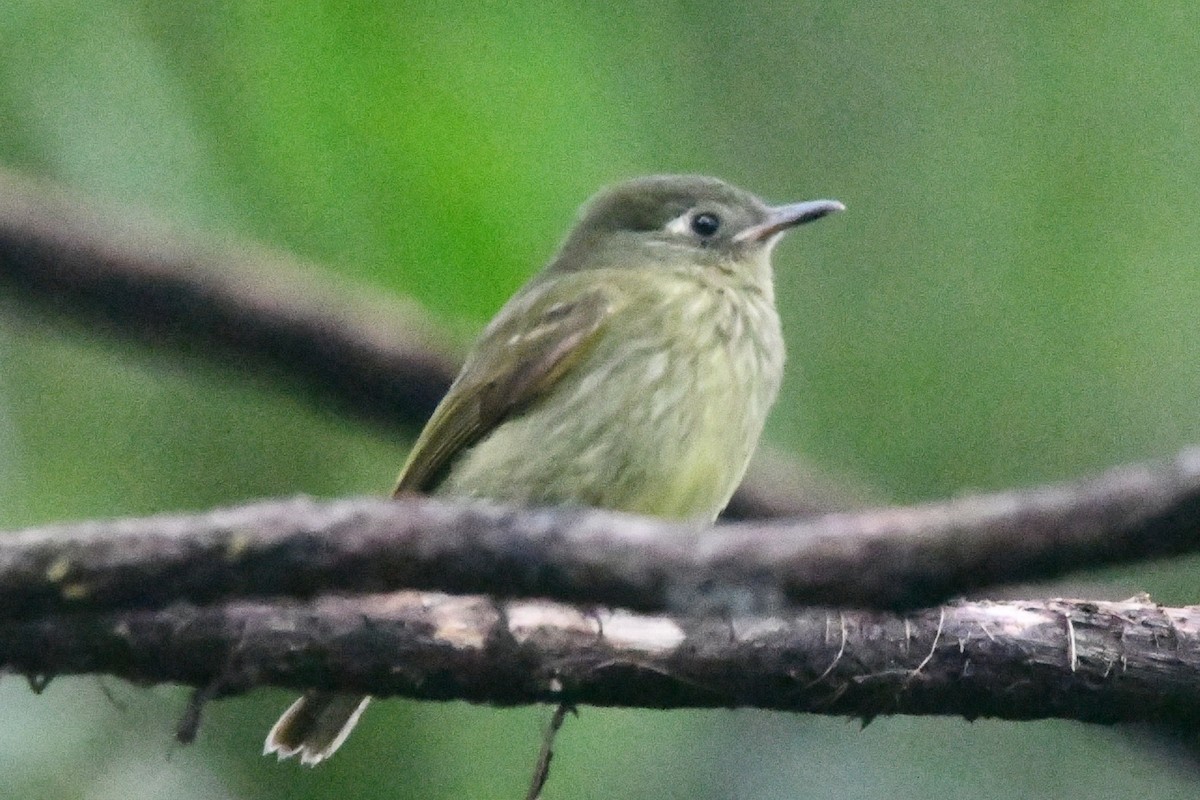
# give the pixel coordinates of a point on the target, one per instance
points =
(1094, 662)
(888, 558)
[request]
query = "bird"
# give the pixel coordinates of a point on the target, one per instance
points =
(634, 372)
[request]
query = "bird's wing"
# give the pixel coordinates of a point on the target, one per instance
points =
(519, 357)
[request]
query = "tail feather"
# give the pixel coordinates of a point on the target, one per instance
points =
(315, 726)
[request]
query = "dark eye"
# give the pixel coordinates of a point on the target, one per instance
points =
(706, 224)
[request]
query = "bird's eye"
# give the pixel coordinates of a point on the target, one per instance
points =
(706, 224)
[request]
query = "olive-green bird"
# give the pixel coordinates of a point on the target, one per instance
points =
(634, 373)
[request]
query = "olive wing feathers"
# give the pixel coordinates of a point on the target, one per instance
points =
(518, 359)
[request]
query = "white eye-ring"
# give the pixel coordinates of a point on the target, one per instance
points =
(680, 226)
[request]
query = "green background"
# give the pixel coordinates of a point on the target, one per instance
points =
(1010, 299)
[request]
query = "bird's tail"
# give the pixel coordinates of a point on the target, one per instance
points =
(315, 726)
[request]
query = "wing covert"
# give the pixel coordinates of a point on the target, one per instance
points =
(515, 362)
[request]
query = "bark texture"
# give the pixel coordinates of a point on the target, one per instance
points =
(891, 558)
(1093, 662)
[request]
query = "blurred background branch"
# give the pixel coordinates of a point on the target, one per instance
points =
(377, 358)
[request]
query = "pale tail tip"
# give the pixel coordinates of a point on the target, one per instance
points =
(314, 727)
(308, 756)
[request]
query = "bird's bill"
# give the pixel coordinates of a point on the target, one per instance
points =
(780, 218)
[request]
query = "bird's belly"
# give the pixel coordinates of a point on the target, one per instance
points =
(653, 431)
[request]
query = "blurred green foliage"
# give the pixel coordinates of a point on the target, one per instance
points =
(1012, 298)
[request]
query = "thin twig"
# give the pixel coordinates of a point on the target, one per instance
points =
(937, 637)
(838, 655)
(541, 769)
(1072, 653)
